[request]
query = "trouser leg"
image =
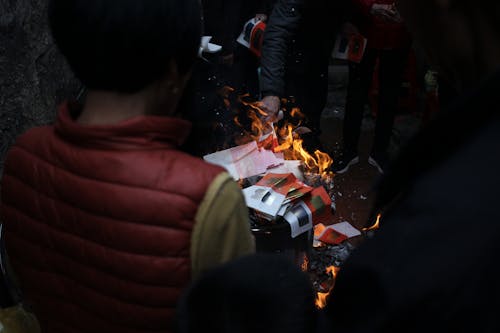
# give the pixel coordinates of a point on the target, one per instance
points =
(360, 79)
(391, 70)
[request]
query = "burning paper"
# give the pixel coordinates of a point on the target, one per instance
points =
(269, 141)
(269, 194)
(289, 166)
(244, 161)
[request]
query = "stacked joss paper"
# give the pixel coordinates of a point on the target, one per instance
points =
(284, 196)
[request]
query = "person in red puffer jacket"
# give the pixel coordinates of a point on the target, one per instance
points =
(106, 218)
(389, 41)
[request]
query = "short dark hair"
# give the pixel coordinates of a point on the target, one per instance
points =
(259, 293)
(126, 45)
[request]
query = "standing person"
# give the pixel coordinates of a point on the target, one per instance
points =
(296, 53)
(388, 41)
(246, 64)
(261, 293)
(223, 20)
(432, 266)
(232, 66)
(106, 218)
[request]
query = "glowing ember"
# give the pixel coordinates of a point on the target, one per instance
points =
(295, 113)
(376, 225)
(322, 298)
(305, 264)
(319, 229)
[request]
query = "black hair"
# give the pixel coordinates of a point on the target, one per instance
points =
(126, 45)
(255, 294)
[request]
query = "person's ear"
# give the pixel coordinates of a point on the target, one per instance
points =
(175, 80)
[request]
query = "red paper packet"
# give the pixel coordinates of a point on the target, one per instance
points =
(332, 237)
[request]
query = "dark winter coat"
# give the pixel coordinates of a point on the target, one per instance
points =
(433, 265)
(299, 37)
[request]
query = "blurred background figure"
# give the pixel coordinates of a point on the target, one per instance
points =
(233, 66)
(388, 42)
(297, 50)
(255, 294)
(432, 264)
(106, 217)
(224, 20)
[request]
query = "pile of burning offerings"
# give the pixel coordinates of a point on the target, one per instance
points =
(290, 191)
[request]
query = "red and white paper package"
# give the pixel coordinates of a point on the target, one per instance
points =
(283, 195)
(270, 193)
(351, 48)
(312, 209)
(335, 234)
(253, 35)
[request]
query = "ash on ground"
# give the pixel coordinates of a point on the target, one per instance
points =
(324, 257)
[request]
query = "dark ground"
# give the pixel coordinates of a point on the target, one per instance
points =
(354, 188)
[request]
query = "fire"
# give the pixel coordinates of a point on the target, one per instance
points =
(319, 229)
(305, 264)
(293, 150)
(376, 225)
(291, 143)
(255, 114)
(295, 113)
(322, 298)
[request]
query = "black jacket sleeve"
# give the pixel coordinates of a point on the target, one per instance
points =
(282, 26)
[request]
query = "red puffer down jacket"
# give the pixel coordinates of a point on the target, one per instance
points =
(98, 222)
(380, 34)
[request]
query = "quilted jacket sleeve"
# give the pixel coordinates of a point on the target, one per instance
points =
(283, 24)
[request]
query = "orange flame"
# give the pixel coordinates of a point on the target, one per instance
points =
(291, 143)
(237, 121)
(292, 148)
(322, 298)
(296, 113)
(305, 264)
(256, 106)
(255, 114)
(376, 225)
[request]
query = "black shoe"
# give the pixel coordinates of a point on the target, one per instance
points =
(342, 164)
(379, 161)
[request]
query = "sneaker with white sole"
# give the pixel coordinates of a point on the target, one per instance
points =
(343, 164)
(376, 164)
